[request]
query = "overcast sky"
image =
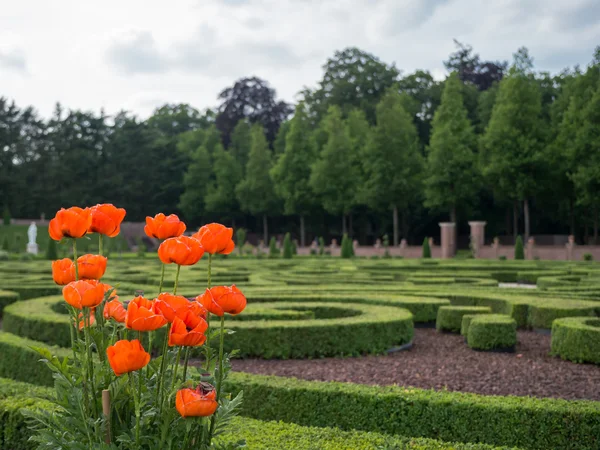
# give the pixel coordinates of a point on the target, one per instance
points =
(139, 54)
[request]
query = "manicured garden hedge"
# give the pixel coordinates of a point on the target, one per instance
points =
(6, 298)
(450, 317)
(577, 339)
(492, 332)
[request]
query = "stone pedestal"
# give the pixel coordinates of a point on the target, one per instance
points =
(448, 243)
(496, 247)
(530, 249)
(477, 235)
(570, 247)
(32, 248)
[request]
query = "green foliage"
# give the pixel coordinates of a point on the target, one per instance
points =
(449, 318)
(386, 246)
(321, 245)
(588, 257)
(334, 175)
(426, 252)
(577, 339)
(240, 144)
(492, 332)
(452, 175)
(288, 247)
(255, 192)
(273, 249)
(51, 251)
(519, 252)
(196, 181)
(5, 244)
(220, 196)
(141, 248)
(4, 255)
(347, 250)
(6, 216)
(240, 239)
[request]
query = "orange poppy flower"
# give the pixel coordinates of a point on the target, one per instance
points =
(84, 293)
(72, 222)
(115, 310)
(164, 227)
(106, 219)
(215, 238)
(182, 250)
(171, 306)
(142, 315)
(91, 267)
(184, 335)
(127, 356)
(223, 299)
(199, 402)
(82, 321)
(63, 271)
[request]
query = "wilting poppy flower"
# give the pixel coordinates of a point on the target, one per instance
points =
(171, 306)
(223, 299)
(84, 293)
(106, 219)
(63, 271)
(182, 250)
(115, 310)
(142, 315)
(127, 356)
(215, 238)
(91, 267)
(199, 402)
(73, 222)
(82, 320)
(182, 334)
(164, 227)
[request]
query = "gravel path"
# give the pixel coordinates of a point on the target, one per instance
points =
(443, 361)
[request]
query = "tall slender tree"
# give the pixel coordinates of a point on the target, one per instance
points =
(392, 161)
(255, 192)
(195, 183)
(291, 172)
(220, 196)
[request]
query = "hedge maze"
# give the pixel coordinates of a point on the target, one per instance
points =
(328, 307)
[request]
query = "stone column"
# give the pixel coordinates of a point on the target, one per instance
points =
(530, 248)
(403, 245)
(570, 247)
(477, 235)
(447, 243)
(496, 247)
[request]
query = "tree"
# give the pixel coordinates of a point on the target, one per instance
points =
(426, 249)
(392, 161)
(513, 142)
(240, 142)
(451, 174)
(250, 98)
(279, 144)
(519, 252)
(470, 69)
(220, 196)
(347, 250)
(352, 79)
(333, 176)
(255, 192)
(291, 172)
(196, 181)
(288, 247)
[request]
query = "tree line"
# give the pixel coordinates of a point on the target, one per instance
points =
(368, 151)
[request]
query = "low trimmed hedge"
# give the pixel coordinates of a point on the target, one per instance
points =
(6, 298)
(449, 318)
(492, 332)
(14, 433)
(577, 339)
(530, 423)
(542, 314)
(465, 322)
(360, 329)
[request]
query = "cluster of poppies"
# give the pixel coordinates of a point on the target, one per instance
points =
(186, 319)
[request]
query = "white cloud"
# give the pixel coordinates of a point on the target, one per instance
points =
(140, 53)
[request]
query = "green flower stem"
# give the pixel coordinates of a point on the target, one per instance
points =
(137, 400)
(208, 284)
(100, 244)
(75, 259)
(163, 366)
(176, 279)
(219, 378)
(185, 363)
(176, 367)
(88, 345)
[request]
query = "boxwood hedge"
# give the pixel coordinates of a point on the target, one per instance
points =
(492, 332)
(577, 339)
(450, 317)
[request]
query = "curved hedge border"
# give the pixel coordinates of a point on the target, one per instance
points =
(492, 332)
(577, 339)
(450, 317)
(369, 329)
(6, 298)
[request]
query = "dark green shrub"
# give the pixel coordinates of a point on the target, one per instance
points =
(294, 247)
(51, 251)
(449, 318)
(588, 257)
(426, 248)
(321, 246)
(519, 252)
(141, 247)
(5, 244)
(240, 239)
(273, 250)
(502, 258)
(4, 256)
(491, 332)
(313, 252)
(288, 247)
(17, 240)
(347, 251)
(386, 246)
(466, 321)
(6, 216)
(577, 339)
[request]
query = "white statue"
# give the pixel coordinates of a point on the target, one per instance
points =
(32, 246)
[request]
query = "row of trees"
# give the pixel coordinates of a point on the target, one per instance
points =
(376, 149)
